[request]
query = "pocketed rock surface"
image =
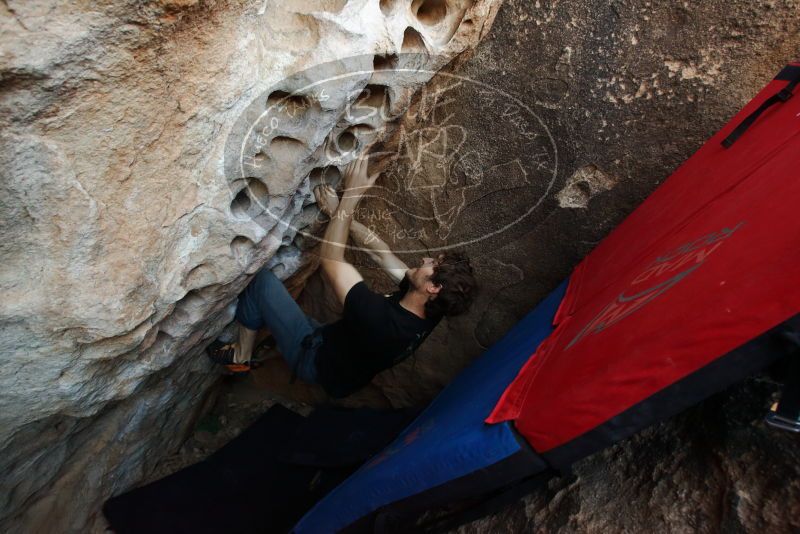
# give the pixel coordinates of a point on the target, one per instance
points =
(125, 235)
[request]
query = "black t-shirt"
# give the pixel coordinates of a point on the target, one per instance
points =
(375, 333)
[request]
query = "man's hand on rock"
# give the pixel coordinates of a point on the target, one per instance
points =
(327, 199)
(356, 180)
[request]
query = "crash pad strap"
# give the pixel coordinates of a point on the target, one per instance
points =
(790, 73)
(787, 413)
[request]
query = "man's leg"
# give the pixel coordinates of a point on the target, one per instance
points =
(244, 348)
(267, 303)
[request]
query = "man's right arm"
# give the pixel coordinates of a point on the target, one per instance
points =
(377, 249)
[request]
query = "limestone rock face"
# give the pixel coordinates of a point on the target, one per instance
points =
(124, 235)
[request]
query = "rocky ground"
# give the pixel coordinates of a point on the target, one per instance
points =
(716, 468)
(240, 399)
(237, 403)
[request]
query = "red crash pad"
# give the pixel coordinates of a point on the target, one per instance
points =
(708, 262)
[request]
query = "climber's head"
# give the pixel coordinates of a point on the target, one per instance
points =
(448, 281)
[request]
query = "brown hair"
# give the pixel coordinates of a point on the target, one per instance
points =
(454, 274)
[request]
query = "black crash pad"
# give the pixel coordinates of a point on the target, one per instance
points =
(262, 481)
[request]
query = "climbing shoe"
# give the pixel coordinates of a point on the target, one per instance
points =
(223, 354)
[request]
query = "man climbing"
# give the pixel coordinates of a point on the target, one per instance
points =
(375, 331)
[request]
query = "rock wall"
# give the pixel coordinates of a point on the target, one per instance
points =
(126, 233)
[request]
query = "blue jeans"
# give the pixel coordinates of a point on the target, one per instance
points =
(266, 303)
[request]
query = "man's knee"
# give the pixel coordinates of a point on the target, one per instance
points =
(266, 279)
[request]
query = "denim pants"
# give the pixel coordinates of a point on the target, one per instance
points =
(266, 303)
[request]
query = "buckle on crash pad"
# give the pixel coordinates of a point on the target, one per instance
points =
(785, 414)
(776, 420)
